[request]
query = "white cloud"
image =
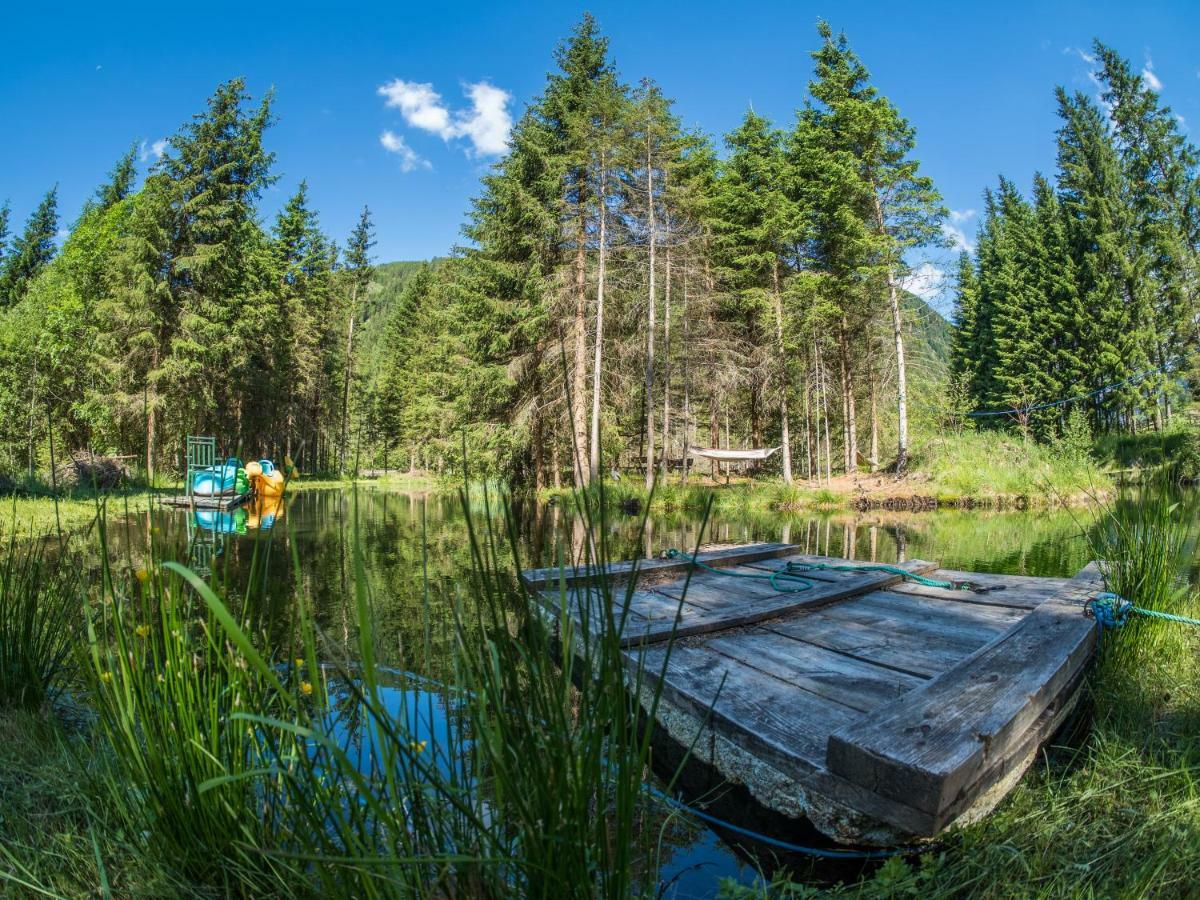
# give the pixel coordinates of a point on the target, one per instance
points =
(488, 123)
(485, 125)
(156, 149)
(420, 105)
(956, 235)
(1082, 54)
(927, 281)
(409, 159)
(1152, 81)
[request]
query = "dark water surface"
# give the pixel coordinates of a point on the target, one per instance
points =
(308, 552)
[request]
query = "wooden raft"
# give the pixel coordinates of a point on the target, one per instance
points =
(879, 708)
(223, 502)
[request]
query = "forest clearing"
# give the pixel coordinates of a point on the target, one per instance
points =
(714, 513)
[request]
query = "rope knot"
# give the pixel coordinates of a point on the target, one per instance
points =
(1109, 610)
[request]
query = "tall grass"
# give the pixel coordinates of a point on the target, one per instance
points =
(253, 767)
(168, 683)
(1140, 541)
(39, 604)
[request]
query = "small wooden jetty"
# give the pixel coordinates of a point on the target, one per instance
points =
(882, 710)
(221, 502)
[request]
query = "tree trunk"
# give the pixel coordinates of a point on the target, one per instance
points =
(349, 374)
(784, 425)
(848, 390)
(687, 394)
(579, 339)
(898, 332)
(666, 423)
(652, 228)
(597, 363)
(714, 434)
(874, 420)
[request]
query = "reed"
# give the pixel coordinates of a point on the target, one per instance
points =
(39, 602)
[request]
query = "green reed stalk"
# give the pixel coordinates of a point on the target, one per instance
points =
(39, 600)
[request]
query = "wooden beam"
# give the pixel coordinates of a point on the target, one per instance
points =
(938, 741)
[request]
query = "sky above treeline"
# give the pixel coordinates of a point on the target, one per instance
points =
(403, 106)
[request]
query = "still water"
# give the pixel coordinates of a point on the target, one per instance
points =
(307, 546)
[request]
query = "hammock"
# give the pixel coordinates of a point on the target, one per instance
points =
(732, 455)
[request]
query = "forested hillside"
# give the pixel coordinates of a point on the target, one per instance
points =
(625, 289)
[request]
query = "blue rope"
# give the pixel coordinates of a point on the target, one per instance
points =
(814, 852)
(1112, 611)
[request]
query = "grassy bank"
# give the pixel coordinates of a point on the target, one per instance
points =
(973, 469)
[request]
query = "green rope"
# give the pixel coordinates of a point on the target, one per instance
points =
(793, 570)
(1112, 611)
(879, 567)
(801, 583)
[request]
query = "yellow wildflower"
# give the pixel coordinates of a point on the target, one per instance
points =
(299, 663)
(142, 575)
(106, 677)
(142, 631)
(305, 688)
(417, 746)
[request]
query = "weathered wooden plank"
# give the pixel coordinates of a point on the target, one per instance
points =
(893, 646)
(764, 714)
(894, 614)
(990, 617)
(934, 745)
(852, 682)
(653, 569)
(846, 568)
(720, 604)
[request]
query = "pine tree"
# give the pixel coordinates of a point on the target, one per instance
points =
(357, 271)
(1111, 269)
(756, 225)
(905, 208)
(213, 173)
(31, 252)
(1163, 191)
(119, 184)
(965, 349)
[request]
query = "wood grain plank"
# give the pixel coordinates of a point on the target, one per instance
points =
(617, 572)
(764, 714)
(934, 745)
(852, 682)
(894, 647)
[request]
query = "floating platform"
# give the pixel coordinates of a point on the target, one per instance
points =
(223, 502)
(881, 710)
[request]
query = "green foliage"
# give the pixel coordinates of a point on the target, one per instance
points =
(40, 599)
(31, 251)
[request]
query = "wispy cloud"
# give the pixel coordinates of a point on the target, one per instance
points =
(485, 125)
(1082, 54)
(1152, 81)
(153, 150)
(409, 158)
(927, 281)
(955, 229)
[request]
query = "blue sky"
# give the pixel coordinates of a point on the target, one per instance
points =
(78, 83)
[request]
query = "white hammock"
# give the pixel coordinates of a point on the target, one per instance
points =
(732, 455)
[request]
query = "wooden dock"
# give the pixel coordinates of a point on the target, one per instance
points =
(882, 710)
(222, 502)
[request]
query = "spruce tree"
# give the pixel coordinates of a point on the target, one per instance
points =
(31, 251)
(903, 206)
(119, 184)
(357, 272)
(1111, 269)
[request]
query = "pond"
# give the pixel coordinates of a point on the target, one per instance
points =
(308, 545)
